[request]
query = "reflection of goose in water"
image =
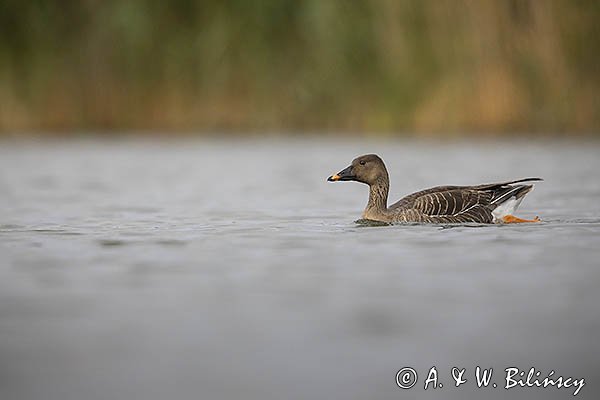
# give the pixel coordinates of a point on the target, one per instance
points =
(488, 203)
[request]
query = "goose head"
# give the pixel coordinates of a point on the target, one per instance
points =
(368, 169)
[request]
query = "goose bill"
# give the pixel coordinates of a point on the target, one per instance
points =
(344, 175)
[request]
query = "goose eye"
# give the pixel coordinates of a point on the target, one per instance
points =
(362, 162)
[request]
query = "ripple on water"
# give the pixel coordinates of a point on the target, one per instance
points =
(59, 232)
(112, 242)
(171, 242)
(10, 227)
(544, 223)
(120, 242)
(369, 222)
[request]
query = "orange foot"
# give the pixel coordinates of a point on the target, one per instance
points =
(511, 219)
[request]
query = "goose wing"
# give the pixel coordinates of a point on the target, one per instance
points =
(458, 203)
(455, 203)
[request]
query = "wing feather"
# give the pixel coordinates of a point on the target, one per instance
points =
(459, 204)
(451, 203)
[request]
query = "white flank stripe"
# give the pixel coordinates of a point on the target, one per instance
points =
(506, 208)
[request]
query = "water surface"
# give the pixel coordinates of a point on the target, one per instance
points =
(217, 270)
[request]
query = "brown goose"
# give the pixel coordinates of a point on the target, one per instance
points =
(488, 203)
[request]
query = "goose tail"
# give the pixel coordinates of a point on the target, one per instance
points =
(507, 200)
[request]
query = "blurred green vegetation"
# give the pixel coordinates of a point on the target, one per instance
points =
(424, 66)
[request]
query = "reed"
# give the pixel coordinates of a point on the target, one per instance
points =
(425, 67)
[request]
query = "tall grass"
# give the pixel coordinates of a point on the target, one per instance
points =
(426, 66)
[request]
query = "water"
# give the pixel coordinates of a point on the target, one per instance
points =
(217, 270)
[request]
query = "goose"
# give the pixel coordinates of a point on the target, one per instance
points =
(486, 204)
